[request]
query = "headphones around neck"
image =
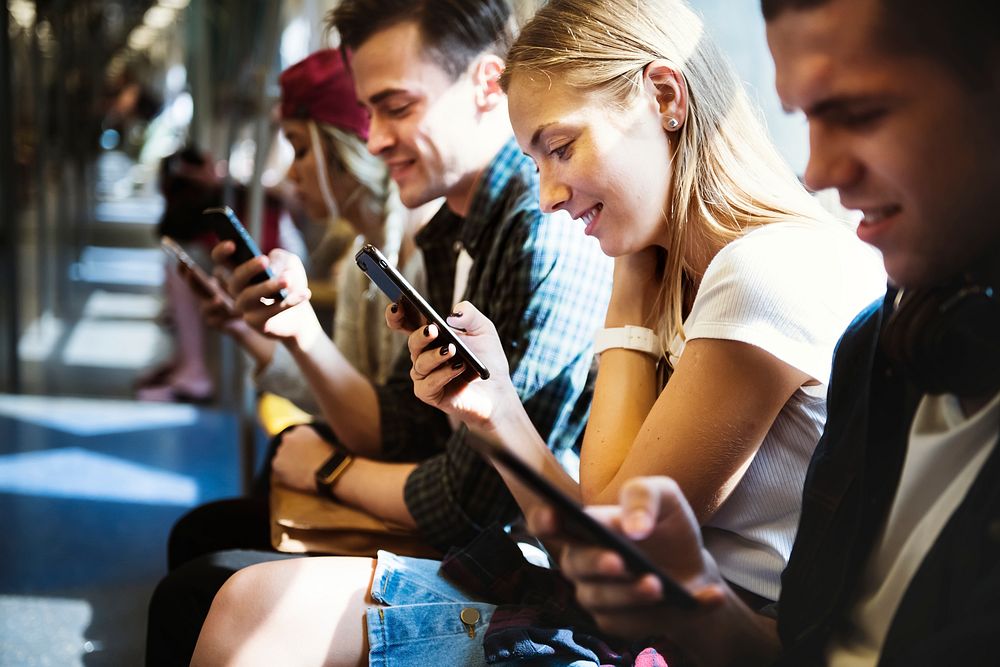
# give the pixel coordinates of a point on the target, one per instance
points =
(946, 339)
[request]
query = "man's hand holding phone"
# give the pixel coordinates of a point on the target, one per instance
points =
(442, 379)
(292, 319)
(654, 514)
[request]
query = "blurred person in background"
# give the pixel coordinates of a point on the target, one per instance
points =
(334, 175)
(189, 184)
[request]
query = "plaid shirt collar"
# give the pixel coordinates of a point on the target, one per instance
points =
(507, 164)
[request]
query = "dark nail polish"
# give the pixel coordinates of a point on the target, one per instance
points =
(394, 308)
(427, 331)
(444, 351)
(457, 313)
(457, 365)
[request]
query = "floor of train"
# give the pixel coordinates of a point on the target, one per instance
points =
(91, 480)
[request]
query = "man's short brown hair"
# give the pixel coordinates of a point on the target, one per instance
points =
(454, 32)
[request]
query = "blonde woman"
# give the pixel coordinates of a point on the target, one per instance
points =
(730, 280)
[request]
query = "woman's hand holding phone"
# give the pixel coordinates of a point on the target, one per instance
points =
(653, 513)
(442, 380)
(292, 319)
(398, 319)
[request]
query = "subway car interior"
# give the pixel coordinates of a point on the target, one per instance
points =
(120, 409)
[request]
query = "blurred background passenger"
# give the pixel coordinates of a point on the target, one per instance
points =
(189, 184)
(338, 181)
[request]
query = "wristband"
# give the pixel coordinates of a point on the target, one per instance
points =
(628, 337)
(331, 470)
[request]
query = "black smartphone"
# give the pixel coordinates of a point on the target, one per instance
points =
(579, 525)
(396, 287)
(205, 283)
(228, 227)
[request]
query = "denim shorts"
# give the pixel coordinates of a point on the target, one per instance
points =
(421, 622)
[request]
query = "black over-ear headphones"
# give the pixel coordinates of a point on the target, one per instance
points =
(947, 339)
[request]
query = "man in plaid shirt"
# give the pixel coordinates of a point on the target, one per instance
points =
(443, 130)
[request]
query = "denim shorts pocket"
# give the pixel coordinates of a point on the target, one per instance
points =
(427, 634)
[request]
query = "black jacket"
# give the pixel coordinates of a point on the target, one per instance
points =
(950, 613)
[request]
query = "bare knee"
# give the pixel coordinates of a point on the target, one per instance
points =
(305, 611)
(235, 615)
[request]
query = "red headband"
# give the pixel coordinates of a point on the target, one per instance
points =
(321, 88)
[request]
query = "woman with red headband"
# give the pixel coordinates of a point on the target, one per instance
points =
(341, 184)
(337, 180)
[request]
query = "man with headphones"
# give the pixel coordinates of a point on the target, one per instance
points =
(897, 557)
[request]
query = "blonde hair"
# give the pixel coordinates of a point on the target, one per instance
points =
(727, 176)
(379, 192)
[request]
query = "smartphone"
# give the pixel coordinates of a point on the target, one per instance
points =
(399, 290)
(228, 227)
(205, 283)
(579, 525)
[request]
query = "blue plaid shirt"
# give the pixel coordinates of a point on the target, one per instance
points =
(545, 286)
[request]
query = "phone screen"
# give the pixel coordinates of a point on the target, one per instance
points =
(579, 525)
(396, 287)
(229, 228)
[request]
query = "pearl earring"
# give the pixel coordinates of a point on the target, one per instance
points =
(672, 123)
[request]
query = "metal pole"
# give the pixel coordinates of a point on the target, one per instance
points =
(66, 241)
(262, 134)
(45, 296)
(200, 73)
(9, 220)
(266, 59)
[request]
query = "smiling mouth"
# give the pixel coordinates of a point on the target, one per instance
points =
(588, 216)
(876, 215)
(398, 167)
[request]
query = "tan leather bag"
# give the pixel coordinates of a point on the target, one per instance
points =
(307, 523)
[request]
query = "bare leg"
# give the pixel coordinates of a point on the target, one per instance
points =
(190, 335)
(307, 611)
(190, 375)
